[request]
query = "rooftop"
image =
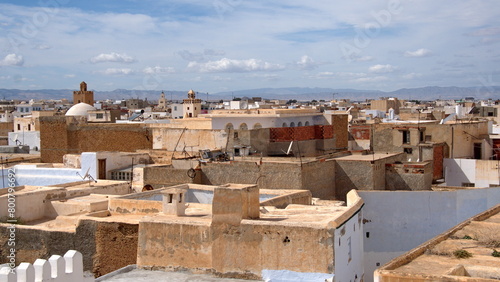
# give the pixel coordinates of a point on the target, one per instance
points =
(467, 250)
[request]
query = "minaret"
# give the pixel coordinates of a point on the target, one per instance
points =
(162, 102)
(191, 106)
(83, 96)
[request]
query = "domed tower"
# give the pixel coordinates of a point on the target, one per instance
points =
(83, 96)
(191, 106)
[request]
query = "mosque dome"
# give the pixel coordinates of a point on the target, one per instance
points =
(80, 109)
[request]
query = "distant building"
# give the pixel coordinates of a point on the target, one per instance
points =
(83, 96)
(162, 102)
(133, 104)
(385, 104)
(191, 106)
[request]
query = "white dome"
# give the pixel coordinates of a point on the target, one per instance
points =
(80, 109)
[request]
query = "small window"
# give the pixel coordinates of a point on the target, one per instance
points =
(406, 136)
(99, 116)
(29, 127)
(18, 126)
(408, 150)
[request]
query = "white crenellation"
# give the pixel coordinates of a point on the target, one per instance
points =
(56, 269)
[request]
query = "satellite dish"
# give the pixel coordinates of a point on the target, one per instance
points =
(244, 105)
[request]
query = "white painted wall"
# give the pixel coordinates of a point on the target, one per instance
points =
(30, 138)
(349, 262)
(39, 176)
(114, 160)
(401, 220)
(459, 171)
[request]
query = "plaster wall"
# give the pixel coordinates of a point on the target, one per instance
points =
(242, 251)
(459, 171)
(487, 173)
(190, 140)
(264, 121)
(41, 176)
(482, 173)
(114, 160)
(396, 222)
(349, 263)
(315, 176)
(413, 176)
(30, 138)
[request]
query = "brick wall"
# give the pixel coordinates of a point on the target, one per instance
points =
(340, 130)
(287, 134)
(438, 162)
(59, 136)
(360, 132)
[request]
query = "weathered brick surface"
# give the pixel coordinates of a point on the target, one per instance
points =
(59, 137)
(287, 134)
(438, 162)
(360, 132)
(340, 130)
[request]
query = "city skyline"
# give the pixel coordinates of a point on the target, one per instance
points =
(233, 44)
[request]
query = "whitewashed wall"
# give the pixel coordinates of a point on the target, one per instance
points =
(398, 221)
(459, 171)
(349, 261)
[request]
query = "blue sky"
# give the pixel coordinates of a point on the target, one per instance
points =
(224, 45)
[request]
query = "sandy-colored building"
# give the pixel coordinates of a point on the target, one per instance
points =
(232, 230)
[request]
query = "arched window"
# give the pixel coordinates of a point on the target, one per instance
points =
(284, 125)
(307, 123)
(243, 126)
(292, 124)
(299, 124)
(257, 126)
(229, 127)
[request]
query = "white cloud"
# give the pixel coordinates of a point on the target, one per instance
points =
(412, 75)
(158, 70)
(112, 57)
(42, 47)
(200, 56)
(370, 79)
(114, 71)
(418, 53)
(12, 60)
(229, 65)
(382, 68)
(69, 75)
(357, 58)
(307, 63)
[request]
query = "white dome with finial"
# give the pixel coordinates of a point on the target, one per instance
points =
(80, 109)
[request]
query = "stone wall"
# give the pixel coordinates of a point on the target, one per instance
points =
(61, 135)
(411, 176)
(340, 131)
(238, 251)
(361, 174)
(316, 176)
(105, 246)
(6, 127)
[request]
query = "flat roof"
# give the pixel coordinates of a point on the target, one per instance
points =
(463, 251)
(369, 157)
